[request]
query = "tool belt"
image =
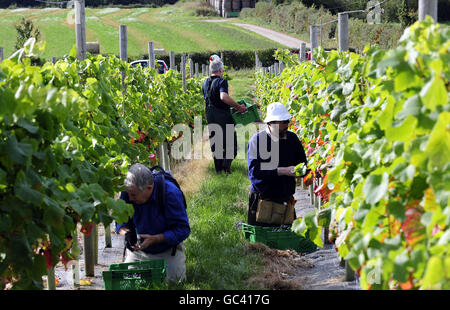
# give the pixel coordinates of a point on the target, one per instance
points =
(272, 212)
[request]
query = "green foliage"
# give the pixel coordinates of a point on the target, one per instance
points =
(406, 15)
(233, 59)
(297, 18)
(26, 30)
(376, 129)
(67, 138)
(204, 9)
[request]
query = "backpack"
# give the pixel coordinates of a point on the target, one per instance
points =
(159, 177)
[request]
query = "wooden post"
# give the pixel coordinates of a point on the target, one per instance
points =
(2, 55)
(123, 42)
(95, 232)
(172, 60)
(89, 254)
(314, 39)
(80, 33)
(151, 55)
(343, 32)
(256, 60)
(349, 273)
(80, 29)
(428, 7)
(191, 68)
(183, 72)
(51, 279)
(123, 57)
(203, 70)
(196, 70)
(320, 31)
(76, 267)
(108, 243)
(302, 53)
(221, 57)
(166, 156)
(311, 193)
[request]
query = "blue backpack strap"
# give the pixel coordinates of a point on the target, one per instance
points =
(159, 177)
(159, 180)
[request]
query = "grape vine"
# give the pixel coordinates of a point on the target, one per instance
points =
(377, 131)
(67, 138)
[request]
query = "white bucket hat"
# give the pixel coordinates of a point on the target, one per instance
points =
(277, 112)
(213, 58)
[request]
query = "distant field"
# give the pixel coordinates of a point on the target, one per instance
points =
(170, 27)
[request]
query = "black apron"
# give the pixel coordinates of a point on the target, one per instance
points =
(219, 119)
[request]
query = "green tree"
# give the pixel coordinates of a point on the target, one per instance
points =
(25, 30)
(407, 14)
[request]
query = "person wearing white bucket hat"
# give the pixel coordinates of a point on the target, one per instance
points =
(218, 114)
(272, 155)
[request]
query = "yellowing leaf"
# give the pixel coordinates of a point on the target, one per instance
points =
(438, 148)
(85, 282)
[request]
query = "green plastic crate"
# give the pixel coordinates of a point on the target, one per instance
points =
(248, 117)
(134, 276)
(281, 240)
(232, 14)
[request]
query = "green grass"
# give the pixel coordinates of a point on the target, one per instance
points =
(242, 84)
(215, 258)
(215, 255)
(172, 27)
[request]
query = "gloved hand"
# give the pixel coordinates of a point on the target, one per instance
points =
(130, 239)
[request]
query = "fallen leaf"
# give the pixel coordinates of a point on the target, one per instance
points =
(85, 282)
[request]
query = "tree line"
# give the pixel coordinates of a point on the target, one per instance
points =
(89, 3)
(402, 11)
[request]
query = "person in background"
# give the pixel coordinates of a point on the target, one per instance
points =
(272, 155)
(218, 114)
(161, 230)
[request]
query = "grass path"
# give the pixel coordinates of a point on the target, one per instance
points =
(216, 256)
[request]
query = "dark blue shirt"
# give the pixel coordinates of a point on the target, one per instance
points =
(221, 86)
(147, 218)
(261, 151)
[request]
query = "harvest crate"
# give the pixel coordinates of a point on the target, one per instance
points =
(134, 276)
(248, 117)
(278, 239)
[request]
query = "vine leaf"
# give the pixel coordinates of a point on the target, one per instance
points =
(375, 187)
